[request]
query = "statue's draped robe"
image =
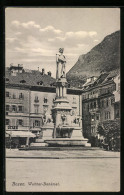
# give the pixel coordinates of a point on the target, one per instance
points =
(61, 60)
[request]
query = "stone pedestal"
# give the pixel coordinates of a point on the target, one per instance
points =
(77, 134)
(48, 133)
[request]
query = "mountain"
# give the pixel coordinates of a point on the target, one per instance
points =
(104, 57)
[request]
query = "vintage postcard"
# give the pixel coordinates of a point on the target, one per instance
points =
(62, 99)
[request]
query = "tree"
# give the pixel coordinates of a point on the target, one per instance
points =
(110, 129)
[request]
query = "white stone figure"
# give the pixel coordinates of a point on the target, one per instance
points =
(61, 61)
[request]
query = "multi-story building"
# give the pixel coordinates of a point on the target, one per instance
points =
(29, 100)
(117, 96)
(98, 102)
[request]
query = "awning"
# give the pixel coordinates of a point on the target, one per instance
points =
(20, 134)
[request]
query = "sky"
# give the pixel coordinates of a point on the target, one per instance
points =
(34, 35)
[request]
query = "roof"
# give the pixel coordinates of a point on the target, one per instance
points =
(33, 78)
(102, 79)
(113, 73)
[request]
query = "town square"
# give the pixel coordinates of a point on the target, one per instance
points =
(62, 100)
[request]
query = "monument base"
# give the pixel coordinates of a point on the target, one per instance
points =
(55, 142)
(47, 140)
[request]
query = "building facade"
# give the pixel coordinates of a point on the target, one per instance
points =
(117, 97)
(98, 102)
(29, 100)
(17, 108)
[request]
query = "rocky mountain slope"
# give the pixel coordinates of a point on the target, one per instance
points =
(104, 57)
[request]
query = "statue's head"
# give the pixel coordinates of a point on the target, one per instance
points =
(61, 50)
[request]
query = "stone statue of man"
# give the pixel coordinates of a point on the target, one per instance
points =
(61, 61)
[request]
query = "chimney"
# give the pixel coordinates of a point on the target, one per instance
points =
(49, 73)
(43, 71)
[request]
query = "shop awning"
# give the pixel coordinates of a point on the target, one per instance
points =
(20, 134)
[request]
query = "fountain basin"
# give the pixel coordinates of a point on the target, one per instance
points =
(66, 142)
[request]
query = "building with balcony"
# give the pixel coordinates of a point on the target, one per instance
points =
(29, 99)
(98, 102)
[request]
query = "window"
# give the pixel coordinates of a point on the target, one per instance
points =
(21, 96)
(97, 117)
(74, 100)
(107, 103)
(108, 90)
(20, 108)
(112, 100)
(7, 107)
(14, 108)
(7, 121)
(92, 129)
(91, 105)
(36, 109)
(107, 115)
(7, 79)
(36, 99)
(92, 117)
(117, 113)
(7, 94)
(14, 96)
(45, 100)
(37, 123)
(102, 103)
(94, 104)
(22, 81)
(40, 83)
(20, 122)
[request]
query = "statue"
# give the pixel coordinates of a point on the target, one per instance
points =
(60, 60)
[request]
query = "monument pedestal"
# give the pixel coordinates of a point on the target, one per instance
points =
(63, 133)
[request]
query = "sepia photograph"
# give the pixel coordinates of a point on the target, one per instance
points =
(62, 99)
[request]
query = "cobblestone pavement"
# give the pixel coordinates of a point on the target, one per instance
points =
(96, 170)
